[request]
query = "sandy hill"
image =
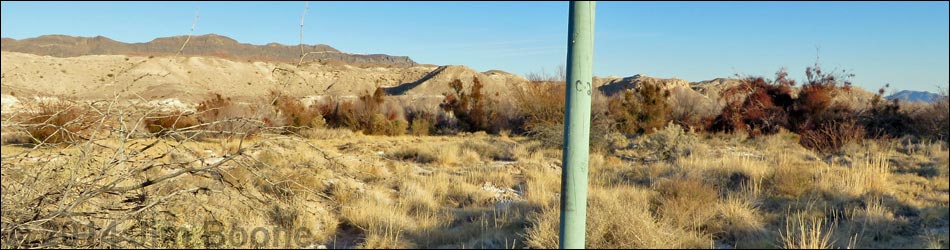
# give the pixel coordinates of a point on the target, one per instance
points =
(204, 45)
(99, 67)
(192, 79)
(613, 85)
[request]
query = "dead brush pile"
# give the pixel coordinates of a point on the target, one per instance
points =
(95, 178)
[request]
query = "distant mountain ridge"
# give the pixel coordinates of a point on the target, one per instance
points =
(203, 45)
(914, 96)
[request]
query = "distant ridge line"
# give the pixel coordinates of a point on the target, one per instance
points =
(203, 45)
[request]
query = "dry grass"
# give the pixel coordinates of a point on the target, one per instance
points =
(381, 220)
(792, 180)
(807, 232)
(485, 191)
(685, 202)
(870, 174)
(876, 220)
(738, 220)
(616, 221)
(414, 154)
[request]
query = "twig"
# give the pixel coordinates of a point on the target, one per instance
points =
(193, 24)
(305, 9)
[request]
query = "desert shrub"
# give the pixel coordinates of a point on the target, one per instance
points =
(769, 106)
(691, 109)
(342, 114)
(622, 112)
(653, 109)
(832, 136)
(446, 124)
(642, 111)
(58, 122)
(294, 113)
(942, 118)
(505, 116)
(933, 121)
(368, 114)
(762, 110)
(541, 104)
(420, 121)
(885, 118)
(377, 125)
(813, 106)
(559, 75)
(420, 127)
(472, 108)
(215, 108)
(165, 123)
(669, 143)
(538, 112)
(388, 124)
(221, 116)
(824, 126)
(397, 126)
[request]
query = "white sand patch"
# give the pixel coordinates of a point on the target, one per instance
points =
(8, 101)
(171, 104)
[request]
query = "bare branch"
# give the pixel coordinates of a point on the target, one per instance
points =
(305, 9)
(193, 24)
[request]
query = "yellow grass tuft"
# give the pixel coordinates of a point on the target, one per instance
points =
(803, 231)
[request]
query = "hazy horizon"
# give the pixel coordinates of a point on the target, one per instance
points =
(904, 44)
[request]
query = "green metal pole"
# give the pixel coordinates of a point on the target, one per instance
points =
(580, 60)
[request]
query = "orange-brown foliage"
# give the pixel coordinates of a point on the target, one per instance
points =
(164, 123)
(58, 122)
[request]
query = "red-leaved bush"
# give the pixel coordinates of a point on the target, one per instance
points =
(770, 105)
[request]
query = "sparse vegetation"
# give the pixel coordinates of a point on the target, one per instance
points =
(777, 167)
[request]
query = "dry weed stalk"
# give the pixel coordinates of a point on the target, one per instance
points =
(193, 24)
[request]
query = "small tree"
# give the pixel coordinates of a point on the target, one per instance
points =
(472, 109)
(642, 111)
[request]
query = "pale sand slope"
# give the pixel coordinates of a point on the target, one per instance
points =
(192, 79)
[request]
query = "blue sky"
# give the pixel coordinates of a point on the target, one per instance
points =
(902, 43)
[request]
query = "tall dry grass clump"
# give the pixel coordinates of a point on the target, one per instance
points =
(867, 175)
(383, 223)
(803, 231)
(684, 202)
(618, 217)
